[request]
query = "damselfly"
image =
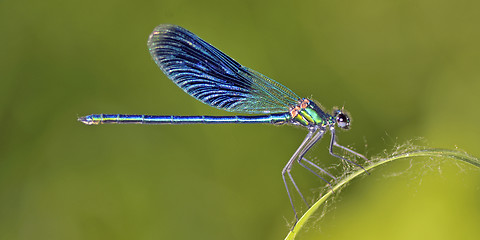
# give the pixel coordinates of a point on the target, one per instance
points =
(214, 78)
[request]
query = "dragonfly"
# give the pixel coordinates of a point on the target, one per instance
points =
(212, 77)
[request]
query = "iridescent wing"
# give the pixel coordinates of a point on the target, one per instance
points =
(214, 78)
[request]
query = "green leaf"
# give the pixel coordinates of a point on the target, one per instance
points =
(442, 153)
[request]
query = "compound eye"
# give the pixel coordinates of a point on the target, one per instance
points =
(343, 121)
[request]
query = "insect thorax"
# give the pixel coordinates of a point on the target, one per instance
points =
(307, 113)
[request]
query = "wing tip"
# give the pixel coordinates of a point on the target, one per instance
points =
(161, 30)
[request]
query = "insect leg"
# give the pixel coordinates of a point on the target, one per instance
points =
(288, 167)
(333, 142)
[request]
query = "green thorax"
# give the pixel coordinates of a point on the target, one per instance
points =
(307, 113)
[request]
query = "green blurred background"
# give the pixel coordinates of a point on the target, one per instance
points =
(403, 69)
